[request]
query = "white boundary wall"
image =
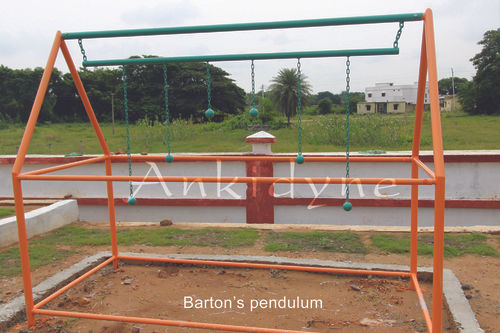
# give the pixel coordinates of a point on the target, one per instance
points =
(465, 181)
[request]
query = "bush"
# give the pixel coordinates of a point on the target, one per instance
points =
(339, 109)
(325, 106)
(366, 131)
(311, 110)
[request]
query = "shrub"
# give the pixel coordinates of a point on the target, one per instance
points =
(366, 131)
(325, 106)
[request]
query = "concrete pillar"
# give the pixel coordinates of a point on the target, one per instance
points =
(260, 199)
(261, 142)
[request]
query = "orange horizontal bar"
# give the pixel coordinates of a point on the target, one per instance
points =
(268, 266)
(260, 180)
(65, 166)
(242, 158)
(424, 167)
(164, 322)
(73, 283)
(421, 300)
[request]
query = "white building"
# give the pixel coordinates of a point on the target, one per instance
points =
(388, 92)
(390, 98)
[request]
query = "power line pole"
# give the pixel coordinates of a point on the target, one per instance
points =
(453, 90)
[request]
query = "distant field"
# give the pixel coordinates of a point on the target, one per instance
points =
(320, 133)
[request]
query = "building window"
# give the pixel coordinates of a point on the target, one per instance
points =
(368, 107)
(383, 94)
(369, 94)
(396, 106)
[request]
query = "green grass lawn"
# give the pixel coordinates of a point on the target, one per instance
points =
(65, 241)
(345, 242)
(320, 134)
(6, 212)
(68, 240)
(454, 245)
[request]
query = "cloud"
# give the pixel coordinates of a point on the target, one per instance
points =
(163, 14)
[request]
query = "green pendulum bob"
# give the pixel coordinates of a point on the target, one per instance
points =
(253, 111)
(300, 158)
(131, 200)
(347, 205)
(209, 113)
(169, 158)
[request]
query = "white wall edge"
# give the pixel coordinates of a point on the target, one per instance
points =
(40, 221)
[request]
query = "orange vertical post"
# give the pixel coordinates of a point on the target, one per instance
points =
(417, 132)
(112, 214)
(23, 249)
(439, 196)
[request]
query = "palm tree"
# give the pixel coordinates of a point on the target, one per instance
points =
(284, 91)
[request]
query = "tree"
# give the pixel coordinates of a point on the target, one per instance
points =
(187, 93)
(284, 91)
(446, 85)
(482, 95)
(335, 99)
(325, 106)
(187, 90)
(354, 99)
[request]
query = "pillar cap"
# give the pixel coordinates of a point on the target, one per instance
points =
(261, 137)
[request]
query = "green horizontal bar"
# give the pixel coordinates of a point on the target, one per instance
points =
(246, 26)
(244, 56)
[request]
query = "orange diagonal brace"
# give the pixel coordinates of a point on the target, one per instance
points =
(424, 167)
(84, 98)
(37, 105)
(65, 166)
(16, 182)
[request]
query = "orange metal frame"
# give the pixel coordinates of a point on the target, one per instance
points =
(437, 178)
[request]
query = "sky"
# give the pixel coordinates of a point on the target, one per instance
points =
(28, 27)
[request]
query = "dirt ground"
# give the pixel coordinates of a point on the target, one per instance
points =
(380, 305)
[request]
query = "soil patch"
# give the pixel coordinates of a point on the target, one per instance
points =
(249, 297)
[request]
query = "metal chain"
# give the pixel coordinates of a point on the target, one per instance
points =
(167, 111)
(253, 84)
(398, 34)
(299, 104)
(347, 111)
(209, 93)
(125, 104)
(82, 50)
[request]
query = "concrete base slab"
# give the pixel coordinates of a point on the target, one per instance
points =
(454, 297)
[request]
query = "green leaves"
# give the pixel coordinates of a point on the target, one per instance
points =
(284, 91)
(482, 95)
(187, 93)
